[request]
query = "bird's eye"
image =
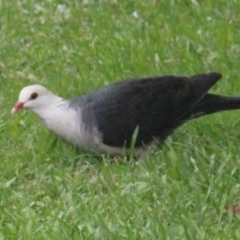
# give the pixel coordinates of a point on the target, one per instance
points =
(34, 96)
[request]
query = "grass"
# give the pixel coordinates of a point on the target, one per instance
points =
(49, 191)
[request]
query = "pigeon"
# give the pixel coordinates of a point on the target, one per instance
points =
(136, 113)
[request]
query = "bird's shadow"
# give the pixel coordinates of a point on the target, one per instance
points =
(92, 161)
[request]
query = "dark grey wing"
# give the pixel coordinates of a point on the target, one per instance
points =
(155, 105)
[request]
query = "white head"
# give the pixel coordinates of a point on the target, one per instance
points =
(33, 97)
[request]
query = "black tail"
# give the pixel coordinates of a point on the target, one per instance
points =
(203, 82)
(211, 103)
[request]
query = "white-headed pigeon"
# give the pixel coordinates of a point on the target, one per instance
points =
(105, 120)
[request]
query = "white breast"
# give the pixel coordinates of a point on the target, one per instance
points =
(63, 121)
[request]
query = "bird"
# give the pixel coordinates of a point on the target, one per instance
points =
(134, 114)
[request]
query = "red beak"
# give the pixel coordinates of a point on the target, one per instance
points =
(17, 107)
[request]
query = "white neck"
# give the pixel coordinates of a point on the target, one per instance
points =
(50, 108)
(61, 119)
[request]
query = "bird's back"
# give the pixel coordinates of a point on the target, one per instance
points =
(156, 105)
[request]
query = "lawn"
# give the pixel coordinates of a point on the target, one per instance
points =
(48, 191)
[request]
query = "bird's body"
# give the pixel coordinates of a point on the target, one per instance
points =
(104, 121)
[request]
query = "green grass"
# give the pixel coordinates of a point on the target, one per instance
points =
(73, 47)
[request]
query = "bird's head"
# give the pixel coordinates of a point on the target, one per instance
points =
(32, 97)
